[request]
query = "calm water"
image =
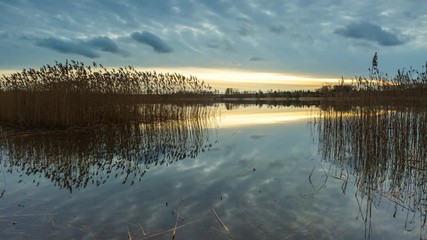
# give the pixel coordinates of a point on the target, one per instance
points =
(267, 172)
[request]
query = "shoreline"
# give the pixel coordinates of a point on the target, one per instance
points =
(269, 99)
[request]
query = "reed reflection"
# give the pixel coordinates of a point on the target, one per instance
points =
(73, 159)
(382, 150)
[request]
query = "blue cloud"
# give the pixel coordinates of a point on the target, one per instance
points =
(222, 44)
(246, 30)
(370, 32)
(152, 40)
(257, 59)
(68, 46)
(86, 48)
(4, 35)
(104, 44)
(107, 45)
(277, 29)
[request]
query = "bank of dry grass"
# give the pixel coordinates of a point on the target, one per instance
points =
(73, 94)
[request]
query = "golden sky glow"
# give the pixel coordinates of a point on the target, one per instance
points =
(7, 72)
(250, 80)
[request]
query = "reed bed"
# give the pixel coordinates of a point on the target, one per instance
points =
(382, 150)
(73, 159)
(408, 85)
(73, 94)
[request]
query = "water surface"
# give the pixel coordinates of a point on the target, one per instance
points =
(267, 172)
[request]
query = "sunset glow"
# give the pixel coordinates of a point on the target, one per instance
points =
(250, 80)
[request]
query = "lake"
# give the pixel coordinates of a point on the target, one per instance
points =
(226, 172)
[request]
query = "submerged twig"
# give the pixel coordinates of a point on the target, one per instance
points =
(309, 178)
(142, 229)
(129, 235)
(176, 223)
(219, 220)
(170, 230)
(249, 222)
(311, 182)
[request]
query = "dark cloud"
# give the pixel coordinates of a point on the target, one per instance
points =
(370, 32)
(218, 7)
(152, 40)
(68, 46)
(246, 30)
(15, 36)
(245, 27)
(277, 29)
(4, 35)
(257, 59)
(222, 44)
(107, 45)
(104, 44)
(86, 48)
(215, 45)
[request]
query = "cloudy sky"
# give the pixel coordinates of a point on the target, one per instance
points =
(228, 40)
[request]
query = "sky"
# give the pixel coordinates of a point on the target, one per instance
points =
(242, 44)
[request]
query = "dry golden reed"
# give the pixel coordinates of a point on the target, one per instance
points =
(73, 94)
